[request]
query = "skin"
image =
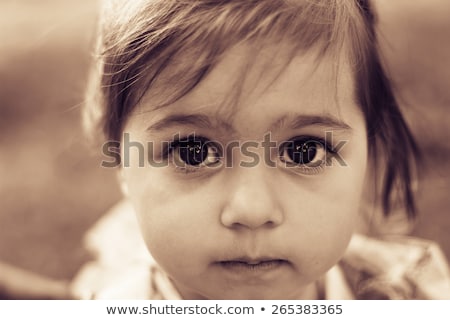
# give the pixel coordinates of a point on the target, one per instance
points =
(291, 223)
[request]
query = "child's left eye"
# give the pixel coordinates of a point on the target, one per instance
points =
(195, 152)
(304, 152)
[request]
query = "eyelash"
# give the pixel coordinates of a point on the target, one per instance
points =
(170, 150)
(172, 147)
(307, 169)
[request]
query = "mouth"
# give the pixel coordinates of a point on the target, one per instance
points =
(241, 265)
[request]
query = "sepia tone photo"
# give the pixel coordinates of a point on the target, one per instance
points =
(223, 150)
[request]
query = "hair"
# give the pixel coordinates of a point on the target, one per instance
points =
(141, 41)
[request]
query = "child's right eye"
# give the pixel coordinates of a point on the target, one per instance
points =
(194, 152)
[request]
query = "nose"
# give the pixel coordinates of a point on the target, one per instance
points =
(252, 203)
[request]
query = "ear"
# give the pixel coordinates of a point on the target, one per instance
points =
(122, 182)
(369, 207)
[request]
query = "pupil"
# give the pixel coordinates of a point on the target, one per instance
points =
(302, 152)
(193, 153)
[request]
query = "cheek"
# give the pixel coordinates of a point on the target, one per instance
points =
(320, 235)
(175, 221)
(324, 212)
(341, 196)
(341, 209)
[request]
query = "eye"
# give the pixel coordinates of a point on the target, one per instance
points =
(303, 151)
(195, 152)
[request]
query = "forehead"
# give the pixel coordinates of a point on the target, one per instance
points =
(252, 78)
(274, 73)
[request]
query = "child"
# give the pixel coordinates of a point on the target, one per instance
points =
(252, 134)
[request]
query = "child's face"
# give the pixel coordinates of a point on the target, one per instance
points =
(230, 230)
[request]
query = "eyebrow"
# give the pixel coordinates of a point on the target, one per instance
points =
(195, 120)
(300, 121)
(293, 121)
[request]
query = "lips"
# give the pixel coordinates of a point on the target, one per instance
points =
(252, 265)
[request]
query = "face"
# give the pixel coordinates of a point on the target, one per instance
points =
(234, 215)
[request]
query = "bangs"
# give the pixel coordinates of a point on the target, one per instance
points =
(168, 47)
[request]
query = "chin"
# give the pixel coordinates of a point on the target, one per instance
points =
(250, 294)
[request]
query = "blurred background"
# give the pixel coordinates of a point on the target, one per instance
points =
(51, 185)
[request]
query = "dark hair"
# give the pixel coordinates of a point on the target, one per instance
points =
(141, 41)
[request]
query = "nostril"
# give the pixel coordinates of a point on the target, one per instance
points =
(243, 220)
(237, 225)
(252, 202)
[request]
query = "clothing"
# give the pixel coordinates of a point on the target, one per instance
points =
(395, 267)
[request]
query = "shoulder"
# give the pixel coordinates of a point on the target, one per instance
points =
(122, 267)
(396, 267)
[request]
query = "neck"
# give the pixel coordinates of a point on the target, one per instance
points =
(311, 291)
